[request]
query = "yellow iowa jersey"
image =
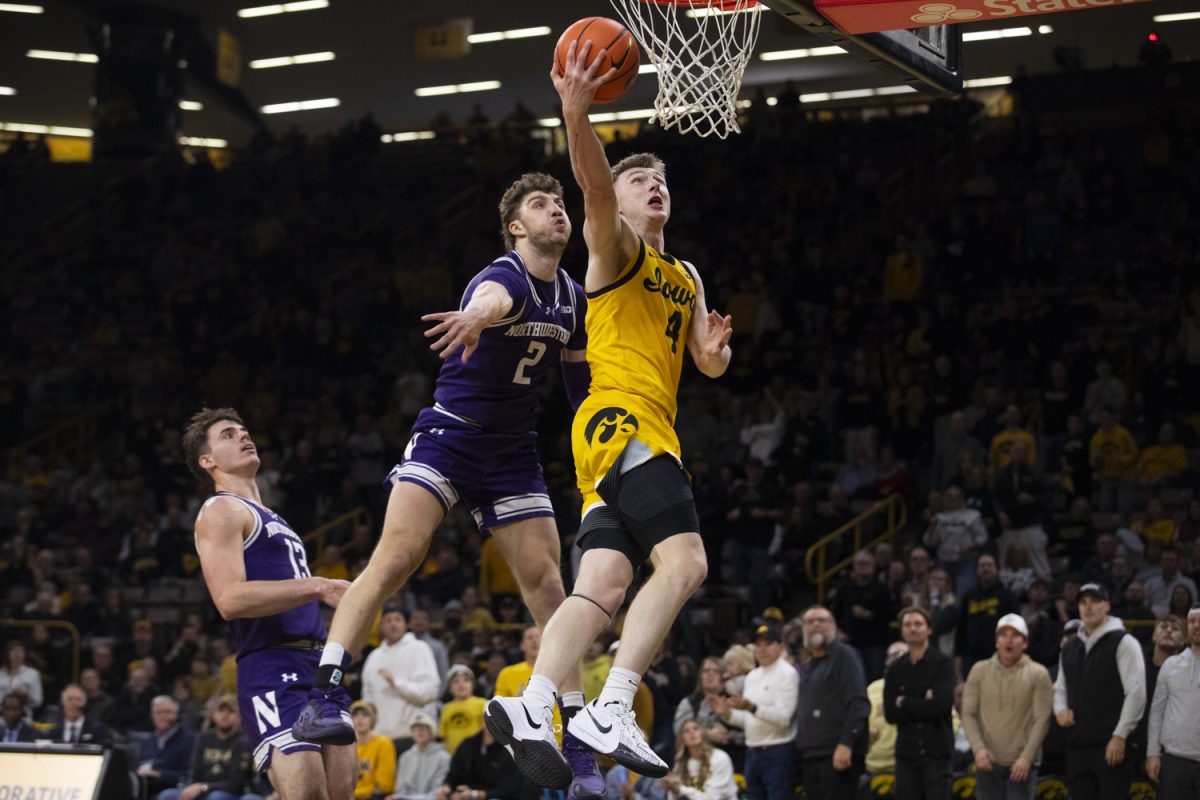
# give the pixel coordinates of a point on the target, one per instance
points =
(638, 326)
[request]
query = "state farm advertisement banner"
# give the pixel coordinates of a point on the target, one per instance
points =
(866, 16)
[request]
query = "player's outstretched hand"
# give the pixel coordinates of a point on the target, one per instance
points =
(455, 329)
(717, 332)
(332, 590)
(577, 81)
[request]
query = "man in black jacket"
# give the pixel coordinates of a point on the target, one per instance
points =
(221, 762)
(483, 770)
(1045, 628)
(863, 609)
(918, 693)
(1099, 697)
(980, 608)
(163, 756)
(832, 709)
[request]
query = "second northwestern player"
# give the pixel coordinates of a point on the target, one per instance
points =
(476, 445)
(256, 571)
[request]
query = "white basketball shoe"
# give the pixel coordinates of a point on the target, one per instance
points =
(612, 730)
(529, 736)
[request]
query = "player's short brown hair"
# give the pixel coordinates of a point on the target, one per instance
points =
(195, 437)
(639, 161)
(510, 202)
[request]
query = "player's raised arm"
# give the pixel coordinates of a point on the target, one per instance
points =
(609, 238)
(489, 303)
(708, 339)
(220, 531)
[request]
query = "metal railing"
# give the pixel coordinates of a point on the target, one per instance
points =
(71, 436)
(892, 508)
(51, 623)
(353, 517)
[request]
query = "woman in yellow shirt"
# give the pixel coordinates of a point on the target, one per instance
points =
(462, 717)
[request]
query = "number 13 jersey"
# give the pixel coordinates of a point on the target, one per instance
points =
(273, 552)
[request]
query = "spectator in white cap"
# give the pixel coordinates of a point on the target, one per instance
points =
(1098, 699)
(1006, 713)
(1173, 749)
(422, 768)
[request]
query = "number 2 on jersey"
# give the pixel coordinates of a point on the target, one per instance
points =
(536, 351)
(674, 323)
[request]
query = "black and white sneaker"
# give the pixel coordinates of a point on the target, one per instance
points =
(529, 736)
(611, 730)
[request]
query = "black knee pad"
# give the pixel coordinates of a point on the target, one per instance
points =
(649, 503)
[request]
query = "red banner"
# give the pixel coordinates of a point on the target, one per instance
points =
(867, 16)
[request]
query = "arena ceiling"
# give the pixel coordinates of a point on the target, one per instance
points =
(375, 68)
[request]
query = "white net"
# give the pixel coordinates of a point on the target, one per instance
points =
(700, 49)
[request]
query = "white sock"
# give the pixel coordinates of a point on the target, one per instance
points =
(572, 700)
(620, 687)
(332, 654)
(540, 693)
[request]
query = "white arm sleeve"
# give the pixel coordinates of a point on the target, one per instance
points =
(1060, 688)
(1133, 679)
(1158, 709)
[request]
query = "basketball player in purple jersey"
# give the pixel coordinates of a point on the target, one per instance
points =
(476, 445)
(256, 571)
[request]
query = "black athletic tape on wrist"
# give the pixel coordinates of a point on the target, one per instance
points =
(593, 602)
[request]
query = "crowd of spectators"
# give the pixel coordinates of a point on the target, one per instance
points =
(1010, 341)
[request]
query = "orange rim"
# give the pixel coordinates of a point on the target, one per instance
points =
(720, 5)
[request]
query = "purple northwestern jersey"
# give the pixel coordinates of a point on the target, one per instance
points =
(500, 387)
(273, 552)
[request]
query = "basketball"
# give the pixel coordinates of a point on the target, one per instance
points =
(606, 34)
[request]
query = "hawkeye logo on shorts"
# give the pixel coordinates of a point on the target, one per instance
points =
(609, 421)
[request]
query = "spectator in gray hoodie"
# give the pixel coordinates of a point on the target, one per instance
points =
(422, 768)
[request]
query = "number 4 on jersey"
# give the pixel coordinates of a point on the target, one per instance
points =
(674, 323)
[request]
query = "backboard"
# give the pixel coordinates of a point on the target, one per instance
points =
(927, 58)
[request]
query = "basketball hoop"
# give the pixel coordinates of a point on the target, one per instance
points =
(700, 49)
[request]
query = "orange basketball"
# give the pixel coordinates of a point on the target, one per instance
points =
(606, 34)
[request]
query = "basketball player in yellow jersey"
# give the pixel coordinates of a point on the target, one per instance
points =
(645, 307)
